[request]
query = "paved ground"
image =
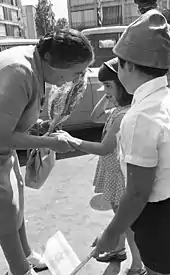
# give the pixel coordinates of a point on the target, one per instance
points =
(63, 204)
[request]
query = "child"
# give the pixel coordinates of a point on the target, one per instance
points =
(109, 179)
(144, 54)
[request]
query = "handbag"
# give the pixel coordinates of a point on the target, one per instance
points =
(40, 162)
(62, 102)
(39, 165)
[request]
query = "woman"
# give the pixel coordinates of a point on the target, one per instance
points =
(109, 178)
(57, 58)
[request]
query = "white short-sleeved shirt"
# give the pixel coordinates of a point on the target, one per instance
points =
(144, 137)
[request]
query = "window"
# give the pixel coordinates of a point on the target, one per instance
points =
(108, 43)
(76, 18)
(89, 18)
(131, 13)
(83, 19)
(2, 30)
(7, 14)
(8, 2)
(16, 32)
(14, 15)
(112, 15)
(1, 13)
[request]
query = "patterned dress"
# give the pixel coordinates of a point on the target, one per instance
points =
(109, 178)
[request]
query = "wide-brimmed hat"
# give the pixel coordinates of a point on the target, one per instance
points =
(146, 41)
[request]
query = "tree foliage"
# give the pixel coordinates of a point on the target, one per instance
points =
(61, 23)
(44, 18)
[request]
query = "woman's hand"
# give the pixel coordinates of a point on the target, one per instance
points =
(74, 142)
(60, 144)
(104, 243)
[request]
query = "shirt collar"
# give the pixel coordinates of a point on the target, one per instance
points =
(149, 88)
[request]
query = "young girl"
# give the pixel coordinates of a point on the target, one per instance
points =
(109, 179)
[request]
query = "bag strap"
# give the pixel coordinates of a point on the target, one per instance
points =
(42, 100)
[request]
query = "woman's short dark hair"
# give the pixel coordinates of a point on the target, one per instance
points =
(67, 47)
(106, 74)
(154, 72)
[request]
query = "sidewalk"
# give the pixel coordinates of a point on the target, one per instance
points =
(63, 204)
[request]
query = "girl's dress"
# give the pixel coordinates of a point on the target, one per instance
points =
(109, 178)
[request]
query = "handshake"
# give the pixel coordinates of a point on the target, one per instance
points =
(64, 142)
(60, 141)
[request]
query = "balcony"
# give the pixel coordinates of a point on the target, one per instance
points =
(74, 3)
(83, 25)
(9, 4)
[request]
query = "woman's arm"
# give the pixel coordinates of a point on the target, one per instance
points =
(19, 140)
(107, 145)
(15, 92)
(99, 113)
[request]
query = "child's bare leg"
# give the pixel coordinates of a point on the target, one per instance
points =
(14, 253)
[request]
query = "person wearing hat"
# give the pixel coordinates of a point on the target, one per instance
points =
(109, 179)
(144, 143)
(143, 7)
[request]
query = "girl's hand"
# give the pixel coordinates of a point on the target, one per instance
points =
(60, 144)
(74, 142)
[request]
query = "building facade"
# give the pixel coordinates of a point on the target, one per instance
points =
(84, 13)
(29, 12)
(164, 4)
(11, 22)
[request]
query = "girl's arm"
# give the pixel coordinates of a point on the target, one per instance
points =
(107, 145)
(99, 113)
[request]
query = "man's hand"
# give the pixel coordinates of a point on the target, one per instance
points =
(105, 243)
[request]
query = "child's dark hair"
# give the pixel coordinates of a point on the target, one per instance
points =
(154, 72)
(106, 74)
(146, 5)
(67, 47)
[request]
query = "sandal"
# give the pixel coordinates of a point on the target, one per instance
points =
(112, 256)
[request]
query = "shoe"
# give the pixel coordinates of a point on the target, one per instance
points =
(37, 261)
(141, 271)
(112, 256)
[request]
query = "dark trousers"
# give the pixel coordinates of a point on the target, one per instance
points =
(152, 236)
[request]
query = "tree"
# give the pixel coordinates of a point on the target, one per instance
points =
(44, 18)
(61, 23)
